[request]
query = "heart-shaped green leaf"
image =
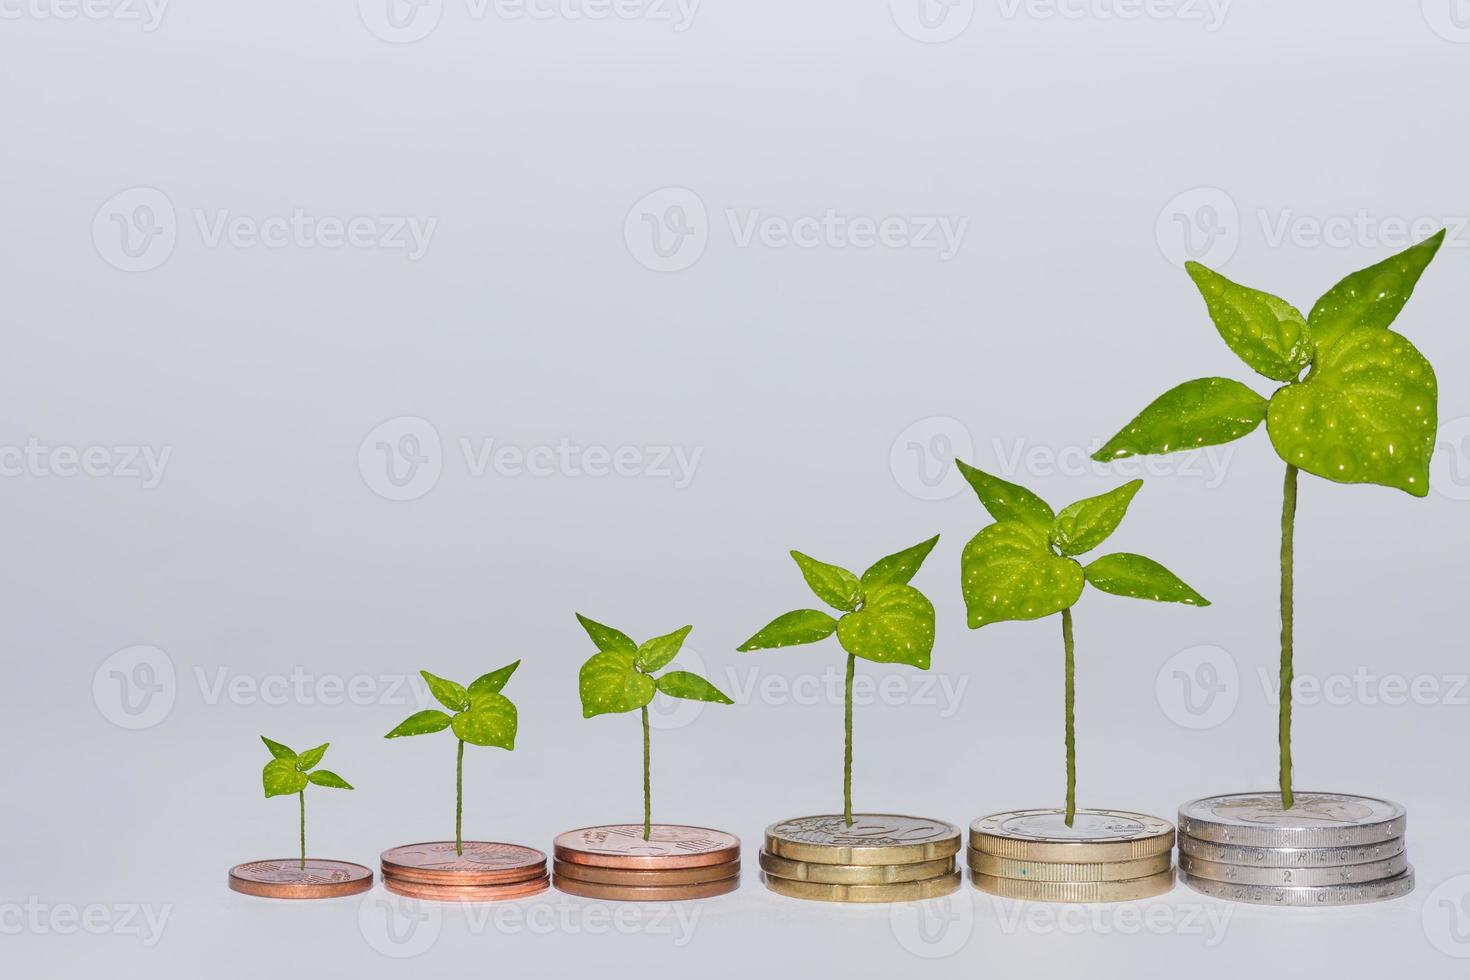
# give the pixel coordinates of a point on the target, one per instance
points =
(691, 687)
(1082, 526)
(328, 778)
(453, 696)
(895, 626)
(608, 683)
(421, 723)
(491, 683)
(1138, 577)
(1371, 297)
(607, 639)
(1007, 572)
(899, 568)
(279, 751)
(790, 629)
(1008, 501)
(657, 652)
(281, 778)
(835, 586)
(1203, 412)
(490, 722)
(1367, 413)
(1265, 331)
(308, 760)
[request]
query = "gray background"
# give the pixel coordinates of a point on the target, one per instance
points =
(802, 375)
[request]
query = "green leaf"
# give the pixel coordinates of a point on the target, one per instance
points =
(1265, 331)
(608, 683)
(1082, 526)
(281, 778)
(1366, 414)
(328, 778)
(491, 683)
(278, 750)
(1008, 501)
(492, 721)
(1008, 572)
(899, 568)
(657, 652)
(895, 626)
(453, 696)
(835, 586)
(1138, 577)
(789, 629)
(1371, 297)
(421, 723)
(691, 687)
(1203, 412)
(309, 759)
(607, 639)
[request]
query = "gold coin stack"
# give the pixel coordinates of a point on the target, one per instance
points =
(475, 871)
(1105, 856)
(877, 858)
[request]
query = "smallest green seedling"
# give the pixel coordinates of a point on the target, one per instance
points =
(289, 772)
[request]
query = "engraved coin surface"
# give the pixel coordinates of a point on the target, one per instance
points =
(646, 893)
(481, 863)
(1289, 857)
(1076, 892)
(999, 867)
(467, 893)
(1315, 820)
(906, 891)
(285, 878)
(1305, 896)
(873, 838)
(1095, 835)
(640, 877)
(854, 874)
(668, 846)
(1343, 874)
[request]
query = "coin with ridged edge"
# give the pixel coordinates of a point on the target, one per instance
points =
(667, 846)
(1095, 835)
(648, 893)
(662, 877)
(999, 867)
(1305, 896)
(1076, 892)
(854, 874)
(1289, 857)
(1315, 820)
(904, 891)
(286, 878)
(1343, 874)
(873, 839)
(474, 863)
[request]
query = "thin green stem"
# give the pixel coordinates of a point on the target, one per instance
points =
(302, 797)
(847, 741)
(1069, 646)
(647, 782)
(459, 800)
(1288, 536)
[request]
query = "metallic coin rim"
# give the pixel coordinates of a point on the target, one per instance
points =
(1344, 835)
(1076, 892)
(861, 854)
(631, 862)
(642, 878)
(444, 876)
(904, 891)
(1306, 896)
(467, 893)
(304, 889)
(1234, 874)
(646, 893)
(853, 874)
(1059, 850)
(1250, 856)
(1067, 871)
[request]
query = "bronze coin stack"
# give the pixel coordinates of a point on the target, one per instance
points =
(616, 862)
(477, 871)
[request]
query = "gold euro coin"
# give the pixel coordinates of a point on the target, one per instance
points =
(999, 867)
(1095, 836)
(1076, 892)
(854, 874)
(905, 891)
(872, 839)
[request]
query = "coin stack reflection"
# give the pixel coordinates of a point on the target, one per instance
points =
(876, 858)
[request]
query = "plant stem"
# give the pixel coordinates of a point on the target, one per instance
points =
(302, 796)
(847, 742)
(647, 783)
(459, 800)
(1069, 645)
(1288, 536)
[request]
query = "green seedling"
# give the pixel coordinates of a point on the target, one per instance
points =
(289, 772)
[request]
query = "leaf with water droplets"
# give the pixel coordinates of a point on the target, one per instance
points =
(1138, 577)
(1265, 331)
(1082, 526)
(1008, 572)
(1371, 297)
(1008, 501)
(895, 626)
(835, 586)
(609, 683)
(1203, 412)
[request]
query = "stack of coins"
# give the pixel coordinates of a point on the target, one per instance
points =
(879, 858)
(479, 872)
(1105, 856)
(674, 863)
(1328, 849)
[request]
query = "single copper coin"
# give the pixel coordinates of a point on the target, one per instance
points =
(662, 877)
(481, 863)
(285, 878)
(646, 893)
(466, 893)
(668, 846)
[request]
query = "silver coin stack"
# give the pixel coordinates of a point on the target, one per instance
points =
(1328, 849)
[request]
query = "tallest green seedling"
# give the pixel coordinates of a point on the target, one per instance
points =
(1365, 412)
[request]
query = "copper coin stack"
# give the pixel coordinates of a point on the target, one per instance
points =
(480, 871)
(295, 878)
(674, 863)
